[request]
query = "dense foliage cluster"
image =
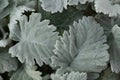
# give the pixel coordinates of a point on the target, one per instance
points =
(59, 40)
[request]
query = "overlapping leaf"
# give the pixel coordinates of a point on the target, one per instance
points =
(36, 40)
(70, 76)
(115, 50)
(110, 7)
(26, 73)
(6, 62)
(54, 6)
(83, 48)
(15, 16)
(6, 6)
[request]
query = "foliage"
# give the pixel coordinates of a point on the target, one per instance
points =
(59, 39)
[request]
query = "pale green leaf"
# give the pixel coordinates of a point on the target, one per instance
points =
(6, 62)
(15, 16)
(26, 73)
(1, 78)
(5, 10)
(3, 4)
(70, 76)
(83, 48)
(115, 50)
(54, 5)
(36, 40)
(4, 42)
(107, 7)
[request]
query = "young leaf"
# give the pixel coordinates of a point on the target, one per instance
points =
(6, 62)
(26, 73)
(70, 76)
(36, 40)
(106, 7)
(115, 50)
(83, 48)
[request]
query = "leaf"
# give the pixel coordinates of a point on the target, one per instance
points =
(83, 48)
(107, 7)
(115, 50)
(106, 22)
(3, 4)
(5, 10)
(15, 16)
(4, 42)
(27, 3)
(36, 40)
(26, 73)
(70, 76)
(75, 2)
(1, 78)
(54, 5)
(6, 62)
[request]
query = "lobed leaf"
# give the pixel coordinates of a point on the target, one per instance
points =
(6, 62)
(107, 7)
(36, 40)
(83, 48)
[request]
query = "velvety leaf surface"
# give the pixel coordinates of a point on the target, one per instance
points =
(83, 48)
(6, 6)
(36, 40)
(70, 76)
(110, 7)
(7, 63)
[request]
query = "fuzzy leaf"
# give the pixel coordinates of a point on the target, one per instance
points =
(6, 6)
(70, 76)
(115, 50)
(107, 7)
(6, 62)
(83, 48)
(15, 16)
(54, 5)
(26, 73)
(36, 40)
